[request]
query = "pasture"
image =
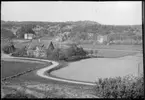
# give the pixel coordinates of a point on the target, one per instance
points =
(90, 70)
(113, 53)
(115, 47)
(13, 67)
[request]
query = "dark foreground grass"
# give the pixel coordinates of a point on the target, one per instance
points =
(9, 68)
(33, 77)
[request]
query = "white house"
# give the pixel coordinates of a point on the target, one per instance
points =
(102, 38)
(28, 36)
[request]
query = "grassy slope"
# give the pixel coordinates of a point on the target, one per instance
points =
(9, 68)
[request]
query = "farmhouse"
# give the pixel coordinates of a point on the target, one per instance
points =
(101, 39)
(39, 50)
(29, 36)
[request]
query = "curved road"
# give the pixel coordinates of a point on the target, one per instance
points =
(41, 72)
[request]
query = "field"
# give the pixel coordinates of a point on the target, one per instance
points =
(113, 53)
(91, 69)
(9, 68)
(113, 47)
(38, 85)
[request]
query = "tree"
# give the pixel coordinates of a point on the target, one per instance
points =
(7, 34)
(20, 52)
(24, 29)
(62, 55)
(91, 52)
(75, 51)
(10, 48)
(71, 51)
(55, 54)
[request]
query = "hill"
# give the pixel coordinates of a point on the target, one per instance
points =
(78, 30)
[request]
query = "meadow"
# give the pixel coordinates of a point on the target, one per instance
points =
(115, 47)
(90, 70)
(10, 68)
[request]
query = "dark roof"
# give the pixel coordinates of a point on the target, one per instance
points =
(33, 45)
(51, 46)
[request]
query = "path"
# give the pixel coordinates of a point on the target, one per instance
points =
(41, 72)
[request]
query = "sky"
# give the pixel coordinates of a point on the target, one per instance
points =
(109, 13)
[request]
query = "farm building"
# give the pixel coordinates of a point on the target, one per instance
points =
(29, 36)
(102, 39)
(39, 50)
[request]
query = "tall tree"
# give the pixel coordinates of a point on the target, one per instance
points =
(24, 29)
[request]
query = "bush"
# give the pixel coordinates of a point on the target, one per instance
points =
(9, 49)
(20, 52)
(127, 87)
(54, 93)
(19, 95)
(73, 58)
(73, 53)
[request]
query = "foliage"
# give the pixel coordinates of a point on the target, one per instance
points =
(20, 52)
(80, 29)
(19, 94)
(9, 49)
(54, 93)
(43, 32)
(126, 87)
(25, 29)
(72, 52)
(7, 33)
(55, 54)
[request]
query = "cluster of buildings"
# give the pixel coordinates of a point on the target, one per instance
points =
(39, 50)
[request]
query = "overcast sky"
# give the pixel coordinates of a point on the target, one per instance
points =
(113, 13)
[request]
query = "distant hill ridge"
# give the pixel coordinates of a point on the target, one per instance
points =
(76, 29)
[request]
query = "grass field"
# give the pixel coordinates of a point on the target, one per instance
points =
(116, 47)
(113, 53)
(9, 68)
(91, 69)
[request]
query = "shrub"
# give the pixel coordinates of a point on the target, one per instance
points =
(126, 87)
(73, 53)
(73, 58)
(19, 95)
(9, 49)
(55, 54)
(20, 52)
(54, 93)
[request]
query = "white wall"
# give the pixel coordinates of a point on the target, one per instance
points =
(25, 36)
